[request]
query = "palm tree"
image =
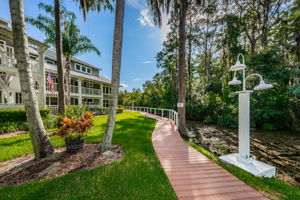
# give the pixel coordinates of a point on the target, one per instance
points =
(116, 61)
(73, 44)
(177, 9)
(39, 138)
(59, 59)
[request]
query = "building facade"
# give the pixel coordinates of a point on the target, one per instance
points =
(87, 85)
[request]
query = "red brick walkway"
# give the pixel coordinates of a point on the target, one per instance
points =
(191, 174)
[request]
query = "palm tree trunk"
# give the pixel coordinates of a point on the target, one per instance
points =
(39, 138)
(116, 66)
(182, 66)
(60, 71)
(68, 80)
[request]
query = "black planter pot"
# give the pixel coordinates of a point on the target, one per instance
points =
(74, 145)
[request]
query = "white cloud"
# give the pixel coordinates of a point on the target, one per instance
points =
(124, 85)
(145, 19)
(148, 62)
(136, 79)
(135, 3)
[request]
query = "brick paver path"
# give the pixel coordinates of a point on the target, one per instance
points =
(191, 174)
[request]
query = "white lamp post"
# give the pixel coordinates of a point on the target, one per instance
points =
(242, 159)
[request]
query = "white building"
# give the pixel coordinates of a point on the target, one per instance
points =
(87, 85)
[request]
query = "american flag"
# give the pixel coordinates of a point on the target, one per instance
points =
(51, 83)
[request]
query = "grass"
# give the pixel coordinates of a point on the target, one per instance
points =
(137, 176)
(271, 187)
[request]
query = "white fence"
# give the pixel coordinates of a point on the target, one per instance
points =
(168, 113)
(53, 108)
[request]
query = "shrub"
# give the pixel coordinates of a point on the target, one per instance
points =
(50, 122)
(121, 106)
(12, 120)
(7, 127)
(208, 120)
(9, 115)
(102, 111)
(120, 110)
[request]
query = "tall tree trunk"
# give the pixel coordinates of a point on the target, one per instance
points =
(68, 80)
(116, 67)
(59, 58)
(182, 66)
(39, 138)
(264, 36)
(206, 67)
(190, 59)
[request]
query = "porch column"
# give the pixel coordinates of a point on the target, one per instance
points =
(79, 92)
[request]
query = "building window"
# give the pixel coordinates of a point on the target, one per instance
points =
(50, 62)
(18, 97)
(74, 82)
(0, 96)
(33, 57)
(105, 103)
(51, 101)
(106, 90)
(78, 67)
(74, 101)
(36, 85)
(83, 69)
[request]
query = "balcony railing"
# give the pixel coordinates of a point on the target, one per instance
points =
(90, 91)
(8, 60)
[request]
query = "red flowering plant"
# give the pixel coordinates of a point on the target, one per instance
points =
(75, 129)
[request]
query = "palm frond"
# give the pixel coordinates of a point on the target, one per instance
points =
(94, 5)
(85, 48)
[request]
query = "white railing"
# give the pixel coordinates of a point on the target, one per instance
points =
(167, 113)
(93, 106)
(8, 60)
(90, 91)
(53, 108)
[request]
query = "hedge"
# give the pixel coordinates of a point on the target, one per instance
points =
(104, 111)
(18, 115)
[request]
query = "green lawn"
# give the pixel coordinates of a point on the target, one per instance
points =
(271, 187)
(138, 176)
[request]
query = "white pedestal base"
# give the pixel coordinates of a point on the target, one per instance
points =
(252, 166)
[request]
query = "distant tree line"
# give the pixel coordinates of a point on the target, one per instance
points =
(267, 32)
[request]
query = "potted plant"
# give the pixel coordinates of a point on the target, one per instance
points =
(74, 131)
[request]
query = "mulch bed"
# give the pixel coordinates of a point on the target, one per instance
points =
(24, 169)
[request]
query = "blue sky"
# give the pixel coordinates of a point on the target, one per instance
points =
(142, 40)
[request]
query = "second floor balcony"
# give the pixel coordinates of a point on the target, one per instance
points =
(7, 59)
(75, 90)
(90, 91)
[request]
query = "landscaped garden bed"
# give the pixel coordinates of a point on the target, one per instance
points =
(24, 169)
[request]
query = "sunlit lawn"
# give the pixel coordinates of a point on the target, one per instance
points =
(137, 176)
